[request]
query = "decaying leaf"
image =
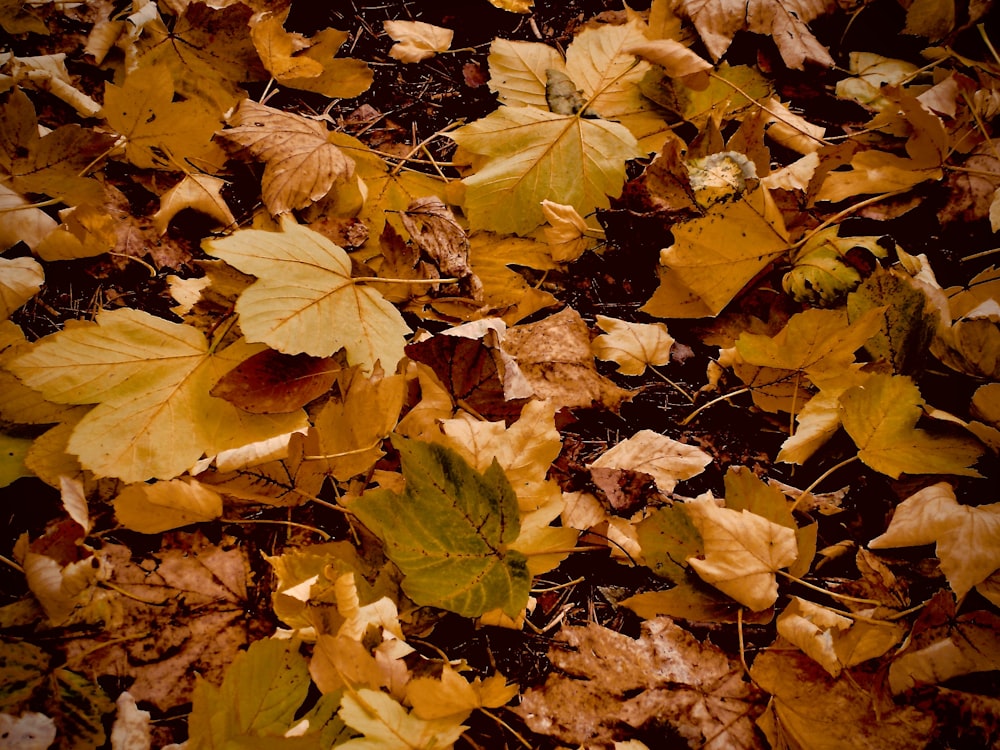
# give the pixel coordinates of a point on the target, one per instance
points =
(664, 681)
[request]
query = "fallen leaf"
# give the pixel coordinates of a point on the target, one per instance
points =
(416, 40)
(150, 380)
(826, 267)
(448, 532)
(301, 164)
(303, 282)
(20, 280)
(29, 731)
(555, 356)
(666, 680)
(666, 460)
(270, 382)
(384, 723)
(632, 346)
(966, 536)
(881, 416)
(153, 508)
(742, 552)
(131, 730)
(199, 192)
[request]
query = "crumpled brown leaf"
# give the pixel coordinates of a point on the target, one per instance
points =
(667, 678)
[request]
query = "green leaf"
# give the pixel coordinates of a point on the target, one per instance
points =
(822, 269)
(449, 532)
(532, 155)
(668, 538)
(22, 670)
(77, 706)
(260, 699)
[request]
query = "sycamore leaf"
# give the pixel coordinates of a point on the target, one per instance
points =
(668, 538)
(159, 132)
(742, 552)
(713, 257)
(386, 725)
(304, 300)
(153, 508)
(881, 416)
(150, 380)
(261, 696)
(967, 538)
(20, 280)
(277, 48)
(416, 40)
(667, 461)
(199, 192)
(632, 346)
(676, 60)
(567, 233)
(531, 155)
(449, 531)
(519, 71)
(455, 697)
(302, 165)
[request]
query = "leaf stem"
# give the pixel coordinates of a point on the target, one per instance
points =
(506, 726)
(808, 490)
(7, 561)
(293, 524)
(833, 594)
(724, 397)
(370, 279)
(665, 379)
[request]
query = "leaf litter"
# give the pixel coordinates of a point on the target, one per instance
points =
(574, 376)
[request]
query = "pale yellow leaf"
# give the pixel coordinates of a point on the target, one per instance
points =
(74, 501)
(600, 62)
(742, 552)
(633, 346)
(666, 460)
(20, 280)
(200, 192)
(518, 71)
(386, 725)
(303, 286)
(811, 628)
(13, 451)
(150, 380)
(302, 165)
(795, 176)
(967, 537)
(791, 130)
(566, 233)
(416, 40)
(871, 72)
(153, 508)
(676, 60)
(22, 222)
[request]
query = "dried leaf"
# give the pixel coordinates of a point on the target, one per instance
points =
(20, 280)
(416, 40)
(667, 461)
(632, 346)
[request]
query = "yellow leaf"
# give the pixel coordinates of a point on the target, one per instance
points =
(22, 222)
(86, 231)
(416, 40)
(20, 280)
(301, 164)
(200, 192)
(277, 48)
(532, 155)
(505, 290)
(303, 286)
(567, 232)
(881, 416)
(632, 346)
(742, 552)
(967, 537)
(676, 60)
(871, 72)
(514, 6)
(13, 451)
(384, 723)
(159, 132)
(153, 508)
(713, 257)
(150, 380)
(518, 71)
(342, 77)
(664, 459)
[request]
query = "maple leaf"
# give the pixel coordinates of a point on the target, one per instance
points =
(668, 538)
(260, 697)
(150, 380)
(607, 682)
(453, 696)
(152, 508)
(505, 290)
(784, 21)
(416, 40)
(304, 284)
(302, 165)
(822, 268)
(386, 725)
(713, 257)
(967, 538)
(449, 532)
(20, 280)
(742, 552)
(159, 132)
(632, 346)
(881, 416)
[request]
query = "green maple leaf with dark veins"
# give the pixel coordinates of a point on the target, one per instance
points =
(449, 530)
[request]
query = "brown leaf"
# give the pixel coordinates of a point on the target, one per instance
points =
(439, 236)
(272, 383)
(666, 679)
(555, 356)
(622, 490)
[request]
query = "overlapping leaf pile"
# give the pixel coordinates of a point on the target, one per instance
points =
(374, 338)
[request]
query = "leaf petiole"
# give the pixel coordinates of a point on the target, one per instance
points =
(724, 397)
